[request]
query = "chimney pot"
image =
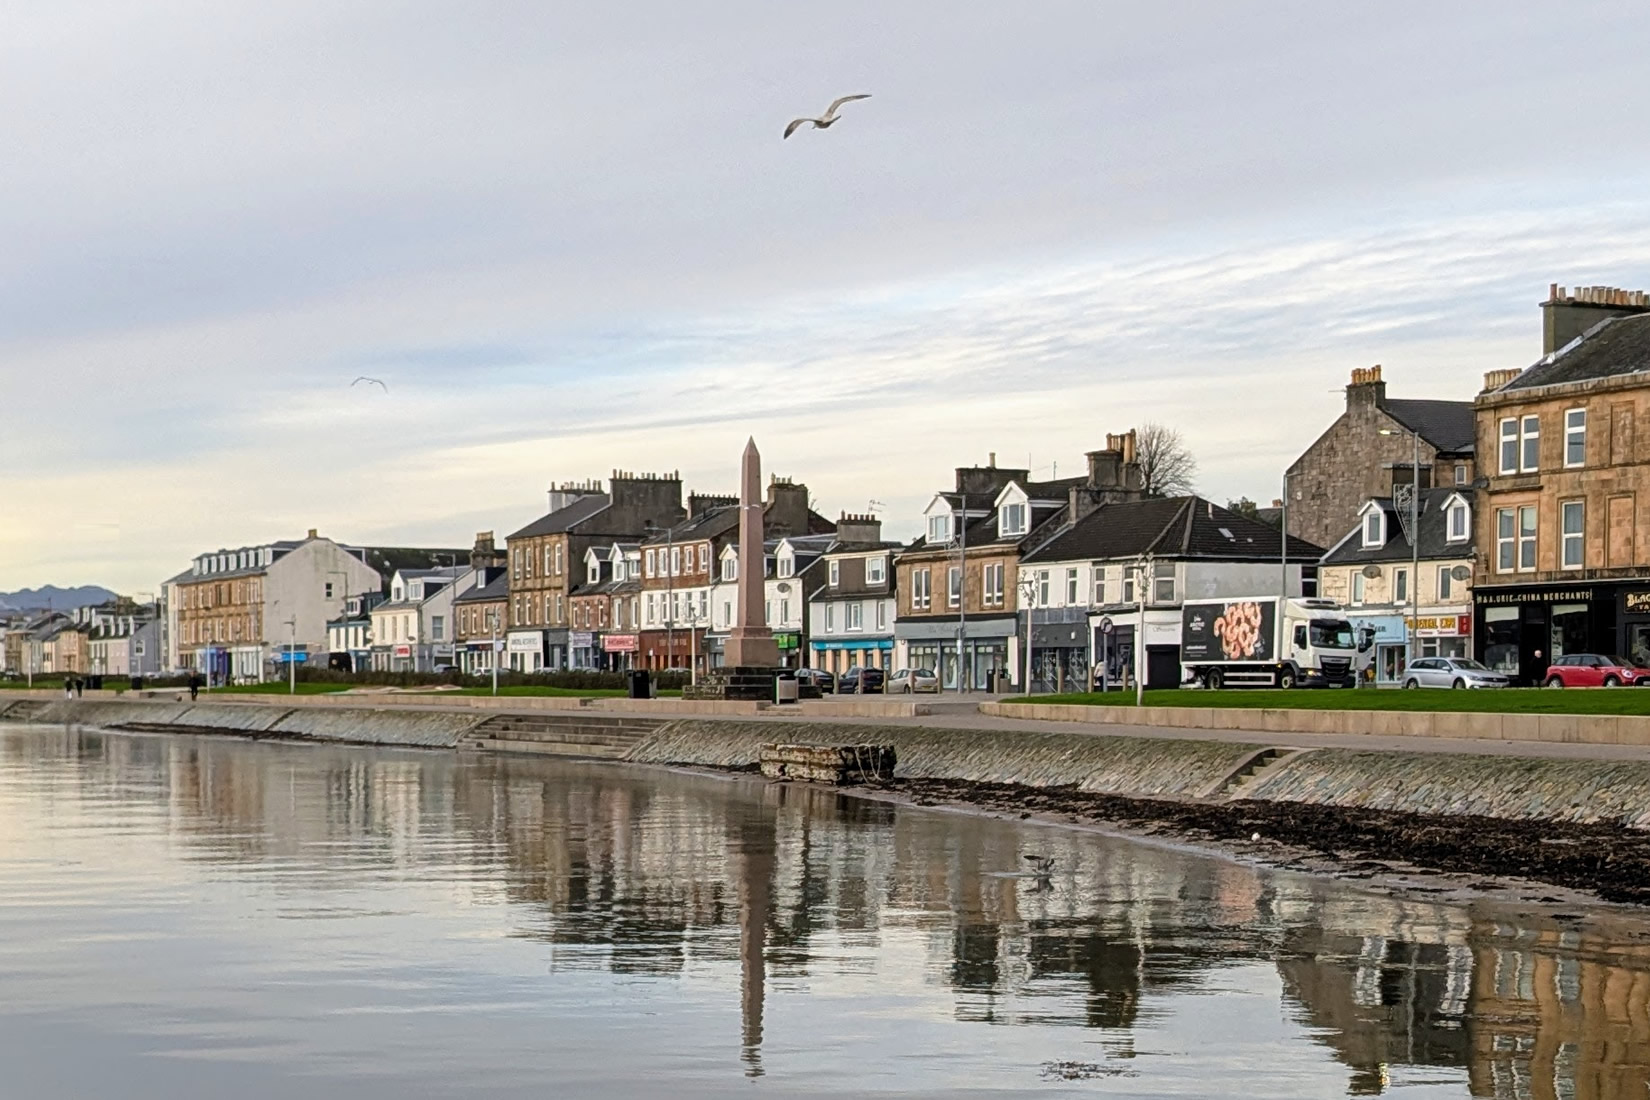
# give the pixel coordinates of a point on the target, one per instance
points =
(312, 533)
(992, 460)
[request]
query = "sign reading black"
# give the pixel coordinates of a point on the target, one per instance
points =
(1636, 603)
(1242, 630)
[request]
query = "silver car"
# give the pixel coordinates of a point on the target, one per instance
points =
(908, 680)
(1451, 672)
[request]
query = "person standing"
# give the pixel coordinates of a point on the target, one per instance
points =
(194, 686)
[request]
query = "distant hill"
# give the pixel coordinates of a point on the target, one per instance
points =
(58, 599)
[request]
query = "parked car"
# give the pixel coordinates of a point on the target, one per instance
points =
(907, 680)
(1451, 672)
(860, 681)
(818, 677)
(1594, 670)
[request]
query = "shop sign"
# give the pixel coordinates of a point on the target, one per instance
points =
(1636, 603)
(1568, 595)
(581, 639)
(527, 643)
(787, 641)
(1441, 626)
(620, 643)
(403, 651)
(443, 651)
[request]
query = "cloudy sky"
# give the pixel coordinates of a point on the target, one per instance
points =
(569, 238)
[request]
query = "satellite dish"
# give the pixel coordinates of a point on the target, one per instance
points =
(1372, 571)
(1460, 573)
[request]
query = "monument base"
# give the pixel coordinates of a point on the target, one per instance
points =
(744, 683)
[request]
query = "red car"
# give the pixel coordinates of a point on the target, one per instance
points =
(1578, 670)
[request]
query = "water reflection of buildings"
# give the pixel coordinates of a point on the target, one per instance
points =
(666, 875)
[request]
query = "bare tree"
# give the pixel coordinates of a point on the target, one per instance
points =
(1165, 461)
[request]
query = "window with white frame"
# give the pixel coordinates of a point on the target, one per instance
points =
(882, 614)
(547, 559)
(1446, 584)
(1572, 519)
(730, 568)
(558, 559)
(652, 608)
(1071, 587)
(922, 593)
(855, 614)
(784, 609)
(767, 613)
(1509, 445)
(648, 568)
(1013, 519)
(593, 575)
(953, 586)
(1400, 586)
(1526, 538)
(1459, 520)
(1099, 584)
(876, 570)
(1529, 444)
(939, 528)
(704, 557)
(1460, 473)
(1358, 584)
(438, 628)
(1506, 540)
(1575, 437)
(1163, 588)
(833, 573)
(830, 618)
(991, 584)
(1131, 580)
(1374, 528)
(676, 561)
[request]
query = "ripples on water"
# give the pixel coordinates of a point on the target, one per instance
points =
(183, 917)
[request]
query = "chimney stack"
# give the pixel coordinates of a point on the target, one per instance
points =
(858, 528)
(1566, 315)
(1366, 389)
(1495, 379)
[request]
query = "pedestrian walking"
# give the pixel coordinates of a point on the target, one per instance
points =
(80, 686)
(68, 688)
(194, 686)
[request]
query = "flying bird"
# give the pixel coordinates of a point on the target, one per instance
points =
(370, 381)
(824, 121)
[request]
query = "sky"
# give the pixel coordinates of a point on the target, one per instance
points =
(569, 239)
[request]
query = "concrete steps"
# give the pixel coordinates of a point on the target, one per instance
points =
(594, 736)
(1249, 771)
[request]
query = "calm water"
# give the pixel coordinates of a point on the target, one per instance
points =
(202, 918)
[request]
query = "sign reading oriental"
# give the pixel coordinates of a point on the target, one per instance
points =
(1441, 626)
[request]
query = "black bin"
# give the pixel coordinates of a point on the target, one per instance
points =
(137, 683)
(638, 684)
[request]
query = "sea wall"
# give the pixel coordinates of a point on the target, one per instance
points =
(359, 725)
(1134, 765)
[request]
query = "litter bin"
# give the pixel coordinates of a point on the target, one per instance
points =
(137, 683)
(638, 684)
(787, 689)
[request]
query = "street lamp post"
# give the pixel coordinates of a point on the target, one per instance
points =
(1414, 541)
(1028, 593)
(1283, 541)
(1144, 579)
(291, 656)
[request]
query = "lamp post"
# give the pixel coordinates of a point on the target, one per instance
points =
(1028, 594)
(1283, 541)
(291, 655)
(1145, 578)
(670, 591)
(1414, 542)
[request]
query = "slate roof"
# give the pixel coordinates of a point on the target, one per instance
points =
(1620, 345)
(493, 591)
(565, 519)
(1435, 544)
(1170, 527)
(387, 559)
(1447, 425)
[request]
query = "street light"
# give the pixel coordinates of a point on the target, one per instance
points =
(1414, 542)
(291, 657)
(670, 593)
(1028, 595)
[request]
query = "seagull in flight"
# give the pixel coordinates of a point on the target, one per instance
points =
(825, 120)
(370, 381)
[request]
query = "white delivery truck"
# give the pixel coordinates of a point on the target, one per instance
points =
(1267, 641)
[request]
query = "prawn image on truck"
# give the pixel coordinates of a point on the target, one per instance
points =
(1266, 641)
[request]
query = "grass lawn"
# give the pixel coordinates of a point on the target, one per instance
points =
(1503, 700)
(273, 687)
(534, 689)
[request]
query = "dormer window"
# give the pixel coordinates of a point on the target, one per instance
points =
(1459, 518)
(1374, 529)
(876, 571)
(594, 574)
(785, 565)
(835, 571)
(730, 568)
(1011, 519)
(939, 528)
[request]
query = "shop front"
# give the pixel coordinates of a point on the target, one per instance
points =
(475, 658)
(1380, 662)
(1059, 649)
(1521, 630)
(619, 651)
(1447, 635)
(789, 643)
(984, 648)
(838, 655)
(581, 649)
(524, 650)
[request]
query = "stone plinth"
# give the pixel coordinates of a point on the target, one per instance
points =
(838, 764)
(744, 682)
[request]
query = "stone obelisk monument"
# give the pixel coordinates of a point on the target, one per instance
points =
(751, 643)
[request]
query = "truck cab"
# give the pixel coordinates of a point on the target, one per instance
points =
(1267, 641)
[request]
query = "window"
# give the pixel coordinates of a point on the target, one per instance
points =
(830, 617)
(939, 528)
(953, 586)
(1572, 518)
(855, 614)
(767, 613)
(1509, 446)
(1013, 519)
(876, 570)
(991, 584)
(558, 559)
(1446, 584)
(1526, 538)
(1460, 473)
(1042, 588)
(1130, 576)
(922, 594)
(1099, 584)
(649, 566)
(1575, 437)
(834, 573)
(1358, 583)
(1071, 588)
(328, 593)
(593, 575)
(438, 628)
(652, 608)
(882, 615)
(547, 560)
(1505, 545)
(704, 557)
(1163, 589)
(561, 608)
(1459, 521)
(675, 561)
(1530, 439)
(1374, 528)
(1400, 586)
(785, 566)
